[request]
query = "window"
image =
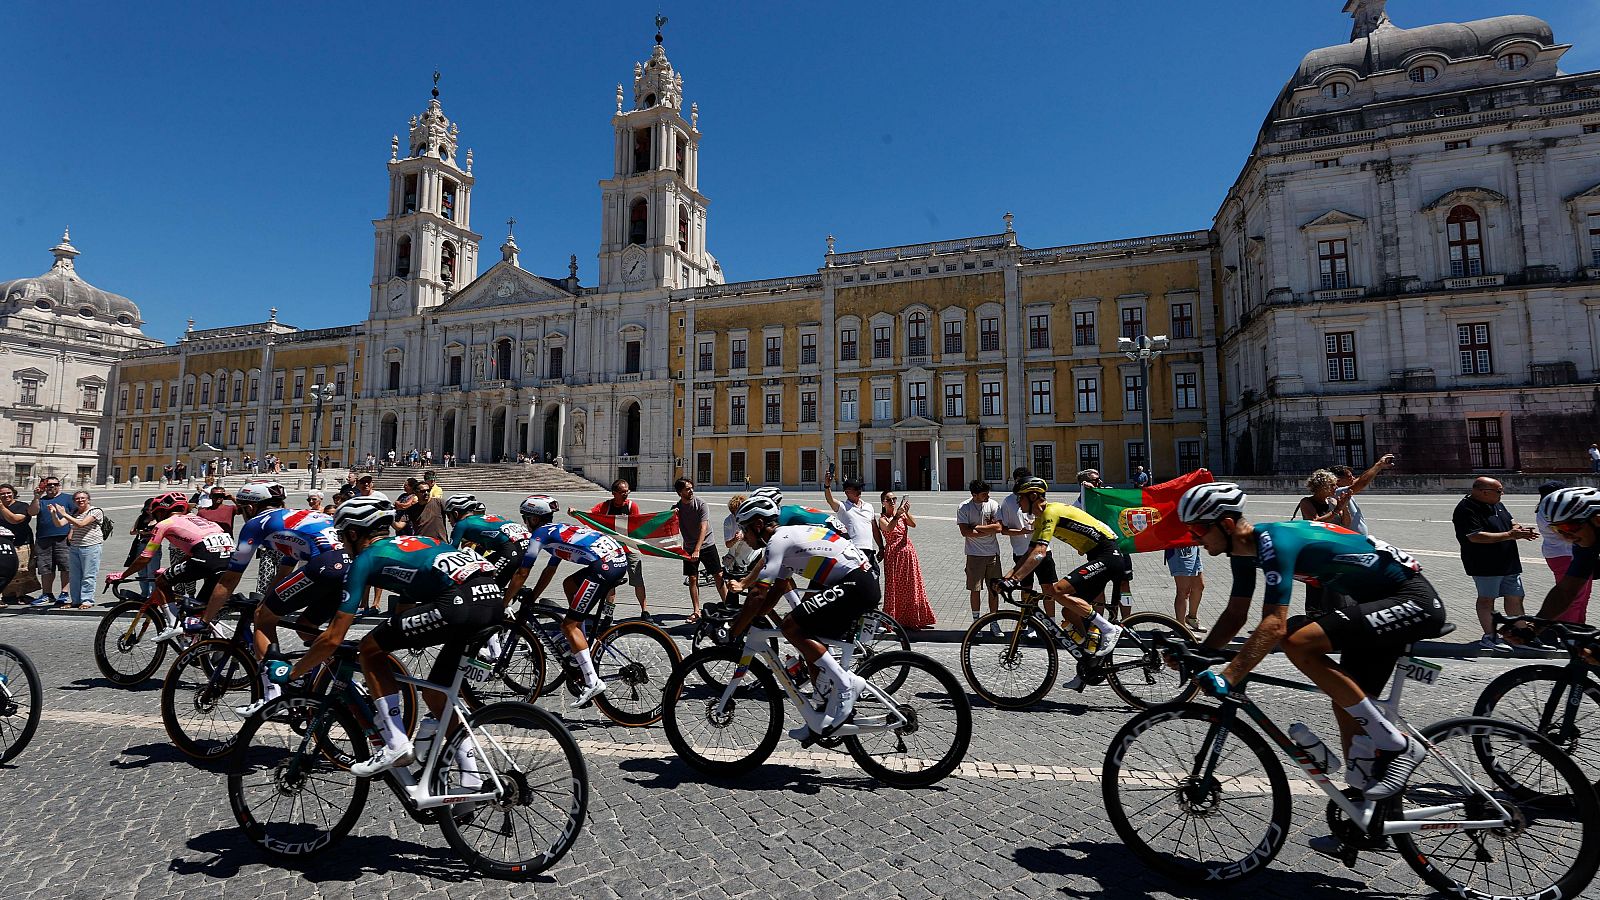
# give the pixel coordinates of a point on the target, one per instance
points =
(1039, 397)
(1088, 456)
(135, 444)
(1486, 443)
(808, 408)
(186, 441)
(205, 395)
(454, 378)
(1457, 145)
(168, 443)
(1088, 395)
(1133, 321)
(1136, 457)
(172, 395)
(952, 333)
(774, 466)
(338, 429)
(1333, 264)
(1039, 332)
(502, 359)
(774, 351)
(402, 253)
(882, 404)
(847, 406)
(638, 221)
(702, 414)
(1350, 444)
(1421, 74)
(737, 352)
(294, 431)
(774, 410)
(1132, 393)
(917, 399)
(641, 149)
(1463, 230)
(1186, 391)
(233, 432)
(993, 463)
(808, 349)
(955, 406)
(1083, 329)
(702, 468)
(880, 342)
(1472, 341)
(849, 463)
(255, 388)
(704, 363)
(30, 394)
(277, 382)
(632, 357)
(989, 392)
(989, 333)
(1594, 239)
(276, 431)
(1340, 348)
(86, 438)
(683, 228)
(736, 467)
(917, 335)
(205, 432)
(1044, 461)
(299, 387)
(736, 409)
(808, 466)
(91, 397)
(249, 433)
(557, 361)
(394, 379)
(1188, 455)
(679, 150)
(238, 389)
(1333, 90)
(1512, 61)
(338, 386)
(847, 343)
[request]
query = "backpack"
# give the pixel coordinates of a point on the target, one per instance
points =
(106, 525)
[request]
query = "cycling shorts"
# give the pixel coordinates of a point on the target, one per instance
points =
(505, 561)
(202, 565)
(1106, 565)
(316, 586)
(8, 564)
(591, 585)
(833, 613)
(1045, 570)
(1372, 634)
(447, 622)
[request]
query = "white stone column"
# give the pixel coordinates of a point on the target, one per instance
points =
(933, 463)
(561, 430)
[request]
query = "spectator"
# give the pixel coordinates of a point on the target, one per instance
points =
(857, 516)
(1090, 478)
(741, 556)
(699, 551)
(428, 518)
(1188, 576)
(218, 507)
(1557, 553)
(14, 515)
(905, 597)
(405, 506)
(1321, 506)
(1141, 478)
(978, 520)
(620, 504)
(1488, 537)
(314, 499)
(1018, 527)
(430, 480)
(84, 540)
(1347, 485)
(1594, 458)
(143, 525)
(50, 547)
(364, 486)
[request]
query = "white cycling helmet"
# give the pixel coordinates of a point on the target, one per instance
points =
(260, 492)
(1211, 501)
(363, 512)
(539, 505)
(459, 505)
(758, 506)
(771, 493)
(1573, 504)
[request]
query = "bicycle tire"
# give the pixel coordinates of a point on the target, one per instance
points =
(1526, 696)
(693, 701)
(410, 701)
(519, 670)
(23, 704)
(547, 624)
(127, 630)
(564, 809)
(267, 744)
(906, 770)
(1537, 814)
(977, 646)
(193, 682)
(1124, 761)
(634, 672)
(1159, 678)
(888, 636)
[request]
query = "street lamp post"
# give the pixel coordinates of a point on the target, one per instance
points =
(320, 394)
(1142, 350)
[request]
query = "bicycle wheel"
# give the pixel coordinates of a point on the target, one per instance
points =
(21, 701)
(880, 634)
(1010, 675)
(939, 720)
(198, 697)
(124, 650)
(410, 701)
(1217, 827)
(1138, 673)
(1550, 849)
(546, 626)
(519, 670)
(544, 796)
(1537, 697)
(290, 785)
(716, 736)
(634, 659)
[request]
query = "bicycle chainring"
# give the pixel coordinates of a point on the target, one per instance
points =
(1348, 832)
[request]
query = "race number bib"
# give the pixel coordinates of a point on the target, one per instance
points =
(1395, 553)
(459, 566)
(515, 532)
(220, 544)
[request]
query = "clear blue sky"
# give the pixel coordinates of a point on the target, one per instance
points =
(215, 159)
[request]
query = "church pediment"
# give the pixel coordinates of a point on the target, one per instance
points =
(916, 422)
(1590, 194)
(504, 285)
(1470, 196)
(1334, 217)
(30, 372)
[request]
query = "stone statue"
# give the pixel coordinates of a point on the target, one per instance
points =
(530, 359)
(577, 432)
(477, 364)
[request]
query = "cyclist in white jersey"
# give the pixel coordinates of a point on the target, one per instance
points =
(842, 589)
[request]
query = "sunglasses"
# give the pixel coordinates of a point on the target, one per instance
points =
(1199, 530)
(1567, 529)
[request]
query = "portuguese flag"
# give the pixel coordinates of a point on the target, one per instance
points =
(651, 534)
(1145, 518)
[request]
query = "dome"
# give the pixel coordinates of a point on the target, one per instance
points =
(1387, 47)
(61, 290)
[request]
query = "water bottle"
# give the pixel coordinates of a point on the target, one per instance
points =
(1325, 758)
(796, 667)
(426, 730)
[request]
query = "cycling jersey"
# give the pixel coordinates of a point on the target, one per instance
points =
(491, 535)
(573, 543)
(417, 570)
(816, 552)
(1072, 526)
(803, 515)
(189, 534)
(294, 534)
(1331, 557)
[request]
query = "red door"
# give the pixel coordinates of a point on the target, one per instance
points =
(883, 473)
(954, 473)
(918, 459)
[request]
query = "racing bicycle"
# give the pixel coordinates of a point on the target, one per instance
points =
(1560, 702)
(21, 701)
(125, 648)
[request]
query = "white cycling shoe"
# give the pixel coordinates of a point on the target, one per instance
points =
(1105, 640)
(250, 709)
(384, 759)
(588, 694)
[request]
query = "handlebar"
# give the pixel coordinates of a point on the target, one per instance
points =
(1573, 636)
(1192, 657)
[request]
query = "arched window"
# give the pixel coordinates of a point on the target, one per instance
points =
(447, 264)
(1423, 73)
(447, 200)
(408, 195)
(638, 221)
(641, 150)
(502, 358)
(683, 227)
(1333, 90)
(630, 430)
(402, 257)
(917, 335)
(1464, 230)
(679, 143)
(1512, 61)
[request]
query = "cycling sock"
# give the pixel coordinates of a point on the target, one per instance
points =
(1383, 733)
(491, 650)
(828, 664)
(269, 691)
(975, 615)
(1101, 622)
(388, 720)
(172, 612)
(586, 665)
(467, 762)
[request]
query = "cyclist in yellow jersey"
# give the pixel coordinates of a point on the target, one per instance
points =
(1105, 563)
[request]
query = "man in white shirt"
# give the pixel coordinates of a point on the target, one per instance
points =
(857, 516)
(1018, 526)
(1594, 458)
(979, 522)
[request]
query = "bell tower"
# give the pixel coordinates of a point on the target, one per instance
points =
(424, 249)
(653, 216)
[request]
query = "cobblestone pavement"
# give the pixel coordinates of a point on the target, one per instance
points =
(101, 805)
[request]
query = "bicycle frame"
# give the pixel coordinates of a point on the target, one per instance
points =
(1091, 668)
(758, 644)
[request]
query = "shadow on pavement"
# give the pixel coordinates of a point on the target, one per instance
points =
(146, 755)
(97, 683)
(227, 851)
(1120, 873)
(669, 774)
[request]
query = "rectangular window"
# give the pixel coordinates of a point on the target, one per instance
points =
(186, 433)
(1133, 322)
(882, 404)
(205, 432)
(989, 334)
(1188, 455)
(1083, 329)
(1136, 458)
(736, 409)
(1039, 332)
(169, 434)
(952, 336)
(847, 343)
(704, 363)
(1472, 342)
(1088, 395)
(394, 371)
(1186, 391)
(849, 463)
(188, 394)
(86, 438)
(703, 412)
(1182, 320)
(233, 433)
(255, 388)
(205, 395)
(275, 432)
(737, 353)
(1594, 239)
(1044, 461)
(774, 467)
(990, 393)
(808, 466)
(299, 387)
(249, 434)
(1039, 397)
(774, 408)
(847, 406)
(880, 342)
(633, 357)
(808, 351)
(456, 368)
(702, 468)
(172, 395)
(774, 351)
(136, 435)
(557, 362)
(1089, 455)
(338, 429)
(736, 467)
(122, 397)
(1350, 444)
(1486, 443)
(1333, 264)
(917, 336)
(1340, 349)
(294, 431)
(918, 399)
(993, 463)
(955, 406)
(238, 390)
(338, 384)
(808, 409)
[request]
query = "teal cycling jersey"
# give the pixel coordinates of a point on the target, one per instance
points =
(417, 569)
(1330, 556)
(489, 533)
(802, 515)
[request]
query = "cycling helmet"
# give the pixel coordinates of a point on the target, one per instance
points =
(758, 506)
(1033, 486)
(539, 505)
(771, 493)
(1211, 501)
(261, 493)
(1573, 504)
(171, 503)
(459, 505)
(363, 512)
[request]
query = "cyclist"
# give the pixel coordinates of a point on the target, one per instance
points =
(1574, 515)
(842, 589)
(604, 567)
(205, 546)
(1395, 605)
(1105, 563)
(500, 541)
(444, 596)
(312, 565)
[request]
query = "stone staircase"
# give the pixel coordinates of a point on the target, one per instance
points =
(465, 479)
